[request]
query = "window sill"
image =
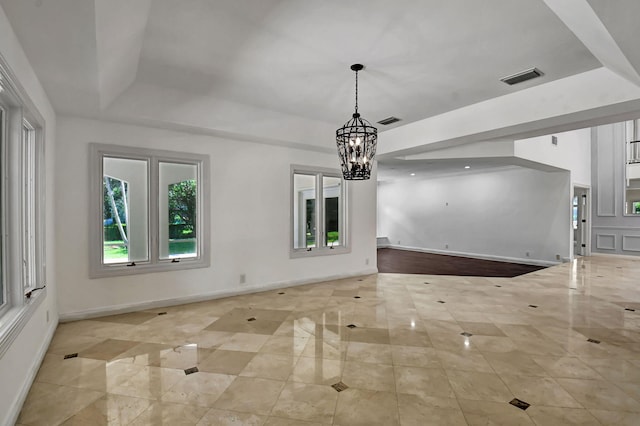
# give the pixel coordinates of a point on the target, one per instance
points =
(324, 251)
(15, 319)
(146, 268)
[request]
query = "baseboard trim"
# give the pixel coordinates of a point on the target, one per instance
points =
(21, 396)
(621, 256)
(525, 261)
(219, 294)
(382, 242)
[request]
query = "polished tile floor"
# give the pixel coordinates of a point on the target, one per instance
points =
(425, 350)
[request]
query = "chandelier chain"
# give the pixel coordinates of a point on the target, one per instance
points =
(356, 91)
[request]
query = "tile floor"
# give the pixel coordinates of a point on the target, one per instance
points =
(405, 363)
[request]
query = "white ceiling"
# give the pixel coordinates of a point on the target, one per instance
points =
(277, 71)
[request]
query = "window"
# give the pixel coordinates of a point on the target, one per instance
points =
(318, 227)
(22, 255)
(149, 211)
(29, 207)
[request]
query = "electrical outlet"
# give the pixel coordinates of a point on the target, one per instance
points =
(243, 278)
(398, 242)
(446, 246)
(366, 261)
(527, 254)
(557, 257)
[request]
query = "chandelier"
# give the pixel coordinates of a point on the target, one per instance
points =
(356, 142)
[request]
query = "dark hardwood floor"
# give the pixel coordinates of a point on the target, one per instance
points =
(411, 262)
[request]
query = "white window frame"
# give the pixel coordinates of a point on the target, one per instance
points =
(97, 267)
(344, 230)
(22, 207)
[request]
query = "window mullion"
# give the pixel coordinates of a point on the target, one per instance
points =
(320, 233)
(199, 209)
(40, 206)
(154, 208)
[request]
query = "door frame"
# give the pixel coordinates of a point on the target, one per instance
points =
(584, 218)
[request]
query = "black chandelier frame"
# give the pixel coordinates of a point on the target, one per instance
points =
(357, 140)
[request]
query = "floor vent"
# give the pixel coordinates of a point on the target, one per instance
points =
(339, 386)
(522, 76)
(519, 403)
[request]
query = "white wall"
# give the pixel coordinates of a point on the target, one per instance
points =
(250, 221)
(573, 153)
(500, 214)
(19, 364)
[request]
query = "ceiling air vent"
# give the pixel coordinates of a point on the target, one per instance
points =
(388, 120)
(522, 76)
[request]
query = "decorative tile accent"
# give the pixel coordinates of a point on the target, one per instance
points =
(519, 403)
(251, 319)
(629, 309)
(441, 301)
(465, 334)
(351, 326)
(191, 370)
(339, 386)
(75, 355)
(533, 306)
(162, 313)
(593, 341)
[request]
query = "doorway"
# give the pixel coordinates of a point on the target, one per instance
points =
(580, 221)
